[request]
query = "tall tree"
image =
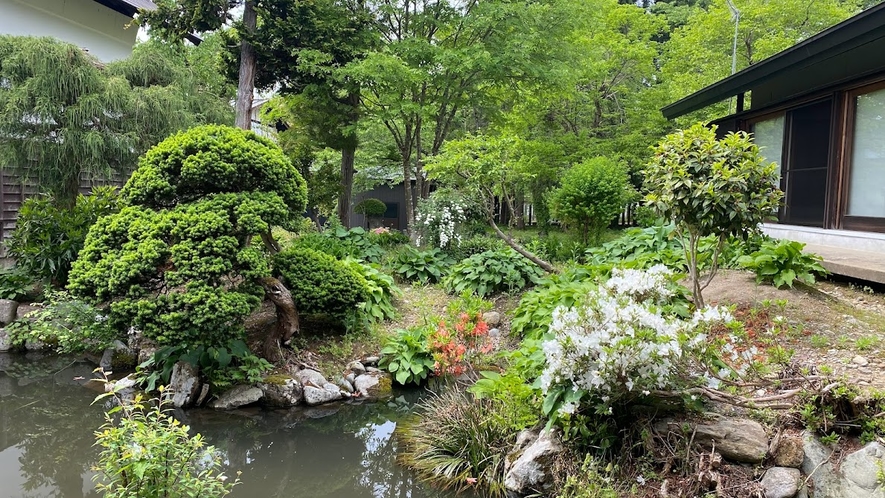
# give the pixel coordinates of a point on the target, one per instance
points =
(174, 20)
(303, 45)
(63, 113)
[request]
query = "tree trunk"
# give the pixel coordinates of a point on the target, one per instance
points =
(519, 210)
(522, 250)
(246, 85)
(348, 155)
(287, 318)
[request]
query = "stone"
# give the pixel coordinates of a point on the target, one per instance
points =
(371, 361)
(118, 357)
(527, 470)
(781, 482)
(492, 318)
(494, 333)
(860, 361)
(860, 470)
(741, 440)
(356, 367)
(350, 377)
(236, 397)
(124, 388)
(344, 385)
(281, 391)
(815, 466)
(184, 384)
(35, 345)
(788, 452)
(23, 310)
(308, 377)
(373, 385)
(8, 311)
(372, 370)
(5, 342)
(317, 395)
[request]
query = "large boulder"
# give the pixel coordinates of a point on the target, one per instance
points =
(8, 311)
(281, 391)
(320, 395)
(373, 385)
(184, 384)
(236, 397)
(5, 341)
(23, 310)
(527, 468)
(861, 471)
(856, 477)
(737, 439)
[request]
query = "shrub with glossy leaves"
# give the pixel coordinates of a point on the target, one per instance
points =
(320, 284)
(490, 272)
(177, 262)
(591, 196)
(47, 238)
(709, 186)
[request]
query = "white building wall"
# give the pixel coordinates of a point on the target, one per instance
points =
(85, 23)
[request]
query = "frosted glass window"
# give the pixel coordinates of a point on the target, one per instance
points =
(867, 188)
(769, 136)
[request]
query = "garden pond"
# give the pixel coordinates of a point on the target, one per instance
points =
(47, 421)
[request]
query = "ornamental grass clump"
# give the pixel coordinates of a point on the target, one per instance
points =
(617, 346)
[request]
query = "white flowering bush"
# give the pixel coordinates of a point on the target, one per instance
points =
(617, 345)
(438, 221)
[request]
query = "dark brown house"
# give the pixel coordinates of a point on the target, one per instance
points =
(817, 109)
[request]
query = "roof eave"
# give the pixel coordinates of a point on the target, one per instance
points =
(839, 38)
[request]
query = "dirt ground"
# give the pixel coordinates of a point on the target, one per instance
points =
(837, 324)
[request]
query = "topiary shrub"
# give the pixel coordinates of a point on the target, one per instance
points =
(371, 207)
(320, 284)
(177, 262)
(591, 196)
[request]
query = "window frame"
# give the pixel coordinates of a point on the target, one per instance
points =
(849, 222)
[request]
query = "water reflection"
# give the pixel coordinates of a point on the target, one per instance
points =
(47, 425)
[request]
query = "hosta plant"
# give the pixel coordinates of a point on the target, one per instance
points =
(407, 356)
(783, 263)
(426, 266)
(491, 272)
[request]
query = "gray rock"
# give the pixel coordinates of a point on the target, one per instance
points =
(356, 367)
(350, 377)
(344, 385)
(527, 470)
(492, 318)
(373, 385)
(184, 384)
(8, 311)
(118, 357)
(281, 392)
(236, 397)
(23, 310)
(494, 333)
(861, 468)
(817, 469)
(5, 342)
(124, 388)
(35, 345)
(308, 377)
(741, 440)
(860, 361)
(781, 482)
(371, 361)
(317, 395)
(372, 370)
(788, 452)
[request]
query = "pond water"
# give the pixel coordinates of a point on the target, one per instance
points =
(347, 450)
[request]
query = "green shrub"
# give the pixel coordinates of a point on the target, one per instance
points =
(645, 247)
(146, 452)
(474, 245)
(208, 160)
(224, 366)
(490, 272)
(424, 266)
(320, 241)
(386, 237)
(47, 238)
(177, 262)
(782, 263)
(65, 324)
(533, 315)
(15, 284)
(320, 284)
(591, 195)
(380, 292)
(708, 186)
(407, 356)
(459, 438)
(370, 207)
